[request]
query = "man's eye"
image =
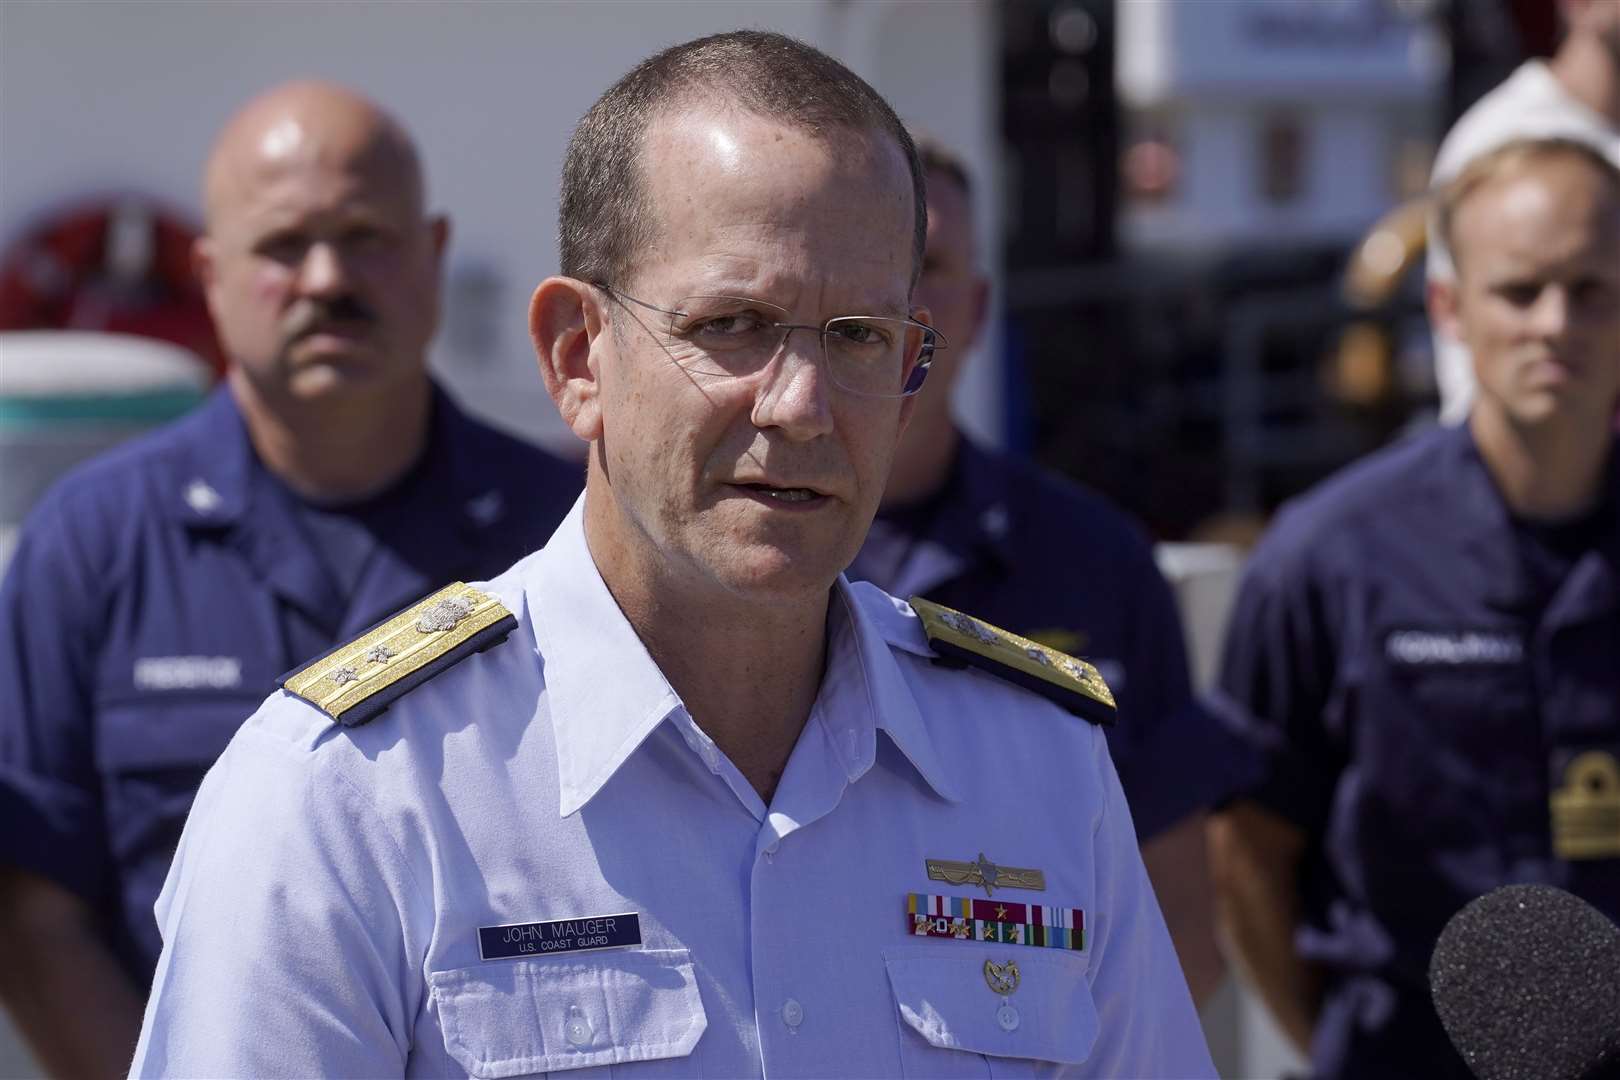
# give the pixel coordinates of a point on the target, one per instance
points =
(361, 236)
(1593, 292)
(733, 325)
(282, 248)
(1520, 295)
(859, 333)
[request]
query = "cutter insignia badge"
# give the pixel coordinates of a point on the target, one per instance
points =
(986, 873)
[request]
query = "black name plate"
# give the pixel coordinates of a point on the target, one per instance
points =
(559, 936)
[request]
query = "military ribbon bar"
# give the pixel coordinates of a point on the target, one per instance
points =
(967, 918)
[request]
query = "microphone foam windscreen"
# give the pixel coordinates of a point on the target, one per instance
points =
(1526, 980)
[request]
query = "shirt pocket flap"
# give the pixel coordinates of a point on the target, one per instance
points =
(517, 1017)
(944, 995)
(153, 734)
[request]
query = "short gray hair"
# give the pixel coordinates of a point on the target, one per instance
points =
(604, 218)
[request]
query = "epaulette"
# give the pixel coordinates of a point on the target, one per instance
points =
(355, 682)
(1059, 677)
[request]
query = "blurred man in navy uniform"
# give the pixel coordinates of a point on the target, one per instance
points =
(672, 795)
(159, 591)
(1425, 647)
(987, 532)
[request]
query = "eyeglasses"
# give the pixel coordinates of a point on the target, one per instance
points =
(870, 355)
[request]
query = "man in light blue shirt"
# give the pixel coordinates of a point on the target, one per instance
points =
(671, 795)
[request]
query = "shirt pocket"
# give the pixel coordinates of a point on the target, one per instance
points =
(152, 753)
(953, 1024)
(638, 1008)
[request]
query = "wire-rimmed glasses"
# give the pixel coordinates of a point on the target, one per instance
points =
(870, 355)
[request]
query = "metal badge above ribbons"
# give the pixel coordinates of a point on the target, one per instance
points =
(985, 873)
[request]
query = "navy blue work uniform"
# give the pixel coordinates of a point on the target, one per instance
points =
(1436, 689)
(1026, 550)
(157, 593)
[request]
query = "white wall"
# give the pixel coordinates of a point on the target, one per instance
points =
(98, 97)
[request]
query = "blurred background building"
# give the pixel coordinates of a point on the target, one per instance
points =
(1193, 212)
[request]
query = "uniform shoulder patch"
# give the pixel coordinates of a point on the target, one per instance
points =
(355, 682)
(1059, 677)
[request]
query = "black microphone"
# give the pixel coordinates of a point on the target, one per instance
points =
(1526, 980)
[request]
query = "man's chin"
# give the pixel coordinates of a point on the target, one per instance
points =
(773, 572)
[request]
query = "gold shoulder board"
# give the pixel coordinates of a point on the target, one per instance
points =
(1059, 677)
(355, 682)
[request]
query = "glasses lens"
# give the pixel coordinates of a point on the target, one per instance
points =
(877, 356)
(724, 335)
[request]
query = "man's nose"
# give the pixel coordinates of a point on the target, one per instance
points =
(794, 392)
(323, 272)
(1550, 316)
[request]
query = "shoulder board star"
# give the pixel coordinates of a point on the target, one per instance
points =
(355, 682)
(962, 639)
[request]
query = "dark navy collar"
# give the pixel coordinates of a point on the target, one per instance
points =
(974, 519)
(211, 484)
(215, 482)
(208, 486)
(1482, 524)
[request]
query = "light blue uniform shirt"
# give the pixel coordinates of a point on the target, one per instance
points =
(322, 915)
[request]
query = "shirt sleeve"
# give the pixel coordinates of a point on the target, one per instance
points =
(1146, 1023)
(1276, 683)
(1178, 759)
(290, 920)
(51, 614)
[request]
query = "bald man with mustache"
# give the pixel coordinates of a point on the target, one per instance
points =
(159, 591)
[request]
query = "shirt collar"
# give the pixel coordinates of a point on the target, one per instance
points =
(211, 485)
(1482, 521)
(208, 485)
(606, 695)
(878, 625)
(974, 519)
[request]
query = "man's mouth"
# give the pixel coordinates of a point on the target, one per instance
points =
(338, 328)
(783, 494)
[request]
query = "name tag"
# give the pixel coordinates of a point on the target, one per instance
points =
(559, 936)
(1454, 648)
(188, 673)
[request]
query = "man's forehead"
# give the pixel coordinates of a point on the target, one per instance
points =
(724, 182)
(1524, 212)
(315, 138)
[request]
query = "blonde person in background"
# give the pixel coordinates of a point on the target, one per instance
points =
(1575, 95)
(1423, 647)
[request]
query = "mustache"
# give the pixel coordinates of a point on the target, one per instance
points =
(309, 315)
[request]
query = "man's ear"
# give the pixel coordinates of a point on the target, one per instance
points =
(205, 266)
(565, 319)
(202, 261)
(1441, 297)
(439, 232)
(981, 311)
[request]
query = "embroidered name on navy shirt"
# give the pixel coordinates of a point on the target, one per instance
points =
(188, 673)
(559, 935)
(1453, 648)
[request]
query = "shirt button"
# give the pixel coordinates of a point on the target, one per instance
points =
(792, 1013)
(577, 1028)
(771, 848)
(1007, 1017)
